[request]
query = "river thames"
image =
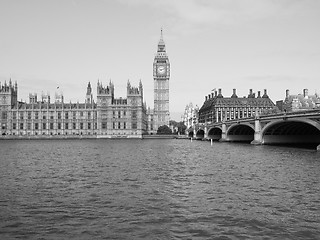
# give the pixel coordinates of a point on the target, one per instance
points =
(157, 189)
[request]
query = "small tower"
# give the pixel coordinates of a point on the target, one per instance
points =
(8, 100)
(135, 94)
(105, 95)
(33, 98)
(45, 98)
(58, 98)
(8, 95)
(89, 94)
(141, 88)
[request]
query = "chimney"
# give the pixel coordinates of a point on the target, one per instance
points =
(212, 95)
(259, 94)
(234, 95)
(250, 93)
(305, 93)
(220, 94)
(265, 95)
(287, 93)
(215, 93)
(206, 98)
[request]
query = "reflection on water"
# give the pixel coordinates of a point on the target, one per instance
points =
(157, 189)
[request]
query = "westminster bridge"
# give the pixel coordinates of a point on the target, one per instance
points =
(294, 128)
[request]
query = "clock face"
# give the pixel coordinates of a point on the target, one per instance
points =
(161, 70)
(4, 101)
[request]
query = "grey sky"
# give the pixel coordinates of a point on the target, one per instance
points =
(258, 44)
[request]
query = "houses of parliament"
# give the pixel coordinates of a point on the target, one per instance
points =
(105, 117)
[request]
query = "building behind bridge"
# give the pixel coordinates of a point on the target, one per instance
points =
(217, 108)
(299, 102)
(190, 116)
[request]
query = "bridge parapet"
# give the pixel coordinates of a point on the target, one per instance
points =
(301, 127)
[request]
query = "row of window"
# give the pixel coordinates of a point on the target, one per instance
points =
(52, 115)
(119, 125)
(51, 133)
(118, 114)
(50, 126)
(230, 115)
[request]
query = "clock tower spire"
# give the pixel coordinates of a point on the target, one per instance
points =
(161, 75)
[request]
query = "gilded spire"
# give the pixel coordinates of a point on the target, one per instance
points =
(161, 44)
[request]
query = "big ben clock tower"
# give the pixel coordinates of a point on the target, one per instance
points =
(161, 75)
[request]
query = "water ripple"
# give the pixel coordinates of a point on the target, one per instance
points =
(157, 189)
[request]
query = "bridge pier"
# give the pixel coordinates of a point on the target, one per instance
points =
(257, 132)
(205, 133)
(224, 133)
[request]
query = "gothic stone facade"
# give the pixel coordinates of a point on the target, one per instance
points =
(109, 117)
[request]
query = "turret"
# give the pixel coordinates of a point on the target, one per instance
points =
(45, 98)
(128, 87)
(58, 98)
(141, 88)
(105, 95)
(89, 94)
(33, 98)
(8, 94)
(134, 90)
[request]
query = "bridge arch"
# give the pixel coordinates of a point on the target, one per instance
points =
(200, 134)
(242, 132)
(190, 133)
(291, 132)
(215, 133)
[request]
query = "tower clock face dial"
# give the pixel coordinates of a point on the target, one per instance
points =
(161, 70)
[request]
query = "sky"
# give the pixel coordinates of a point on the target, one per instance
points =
(227, 44)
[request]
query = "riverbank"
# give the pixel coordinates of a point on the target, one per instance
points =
(69, 137)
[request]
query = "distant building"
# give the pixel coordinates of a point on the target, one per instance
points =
(217, 108)
(191, 116)
(300, 102)
(151, 128)
(109, 117)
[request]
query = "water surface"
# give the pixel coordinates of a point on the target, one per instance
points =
(157, 189)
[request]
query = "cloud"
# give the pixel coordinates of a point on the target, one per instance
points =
(208, 12)
(275, 78)
(198, 17)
